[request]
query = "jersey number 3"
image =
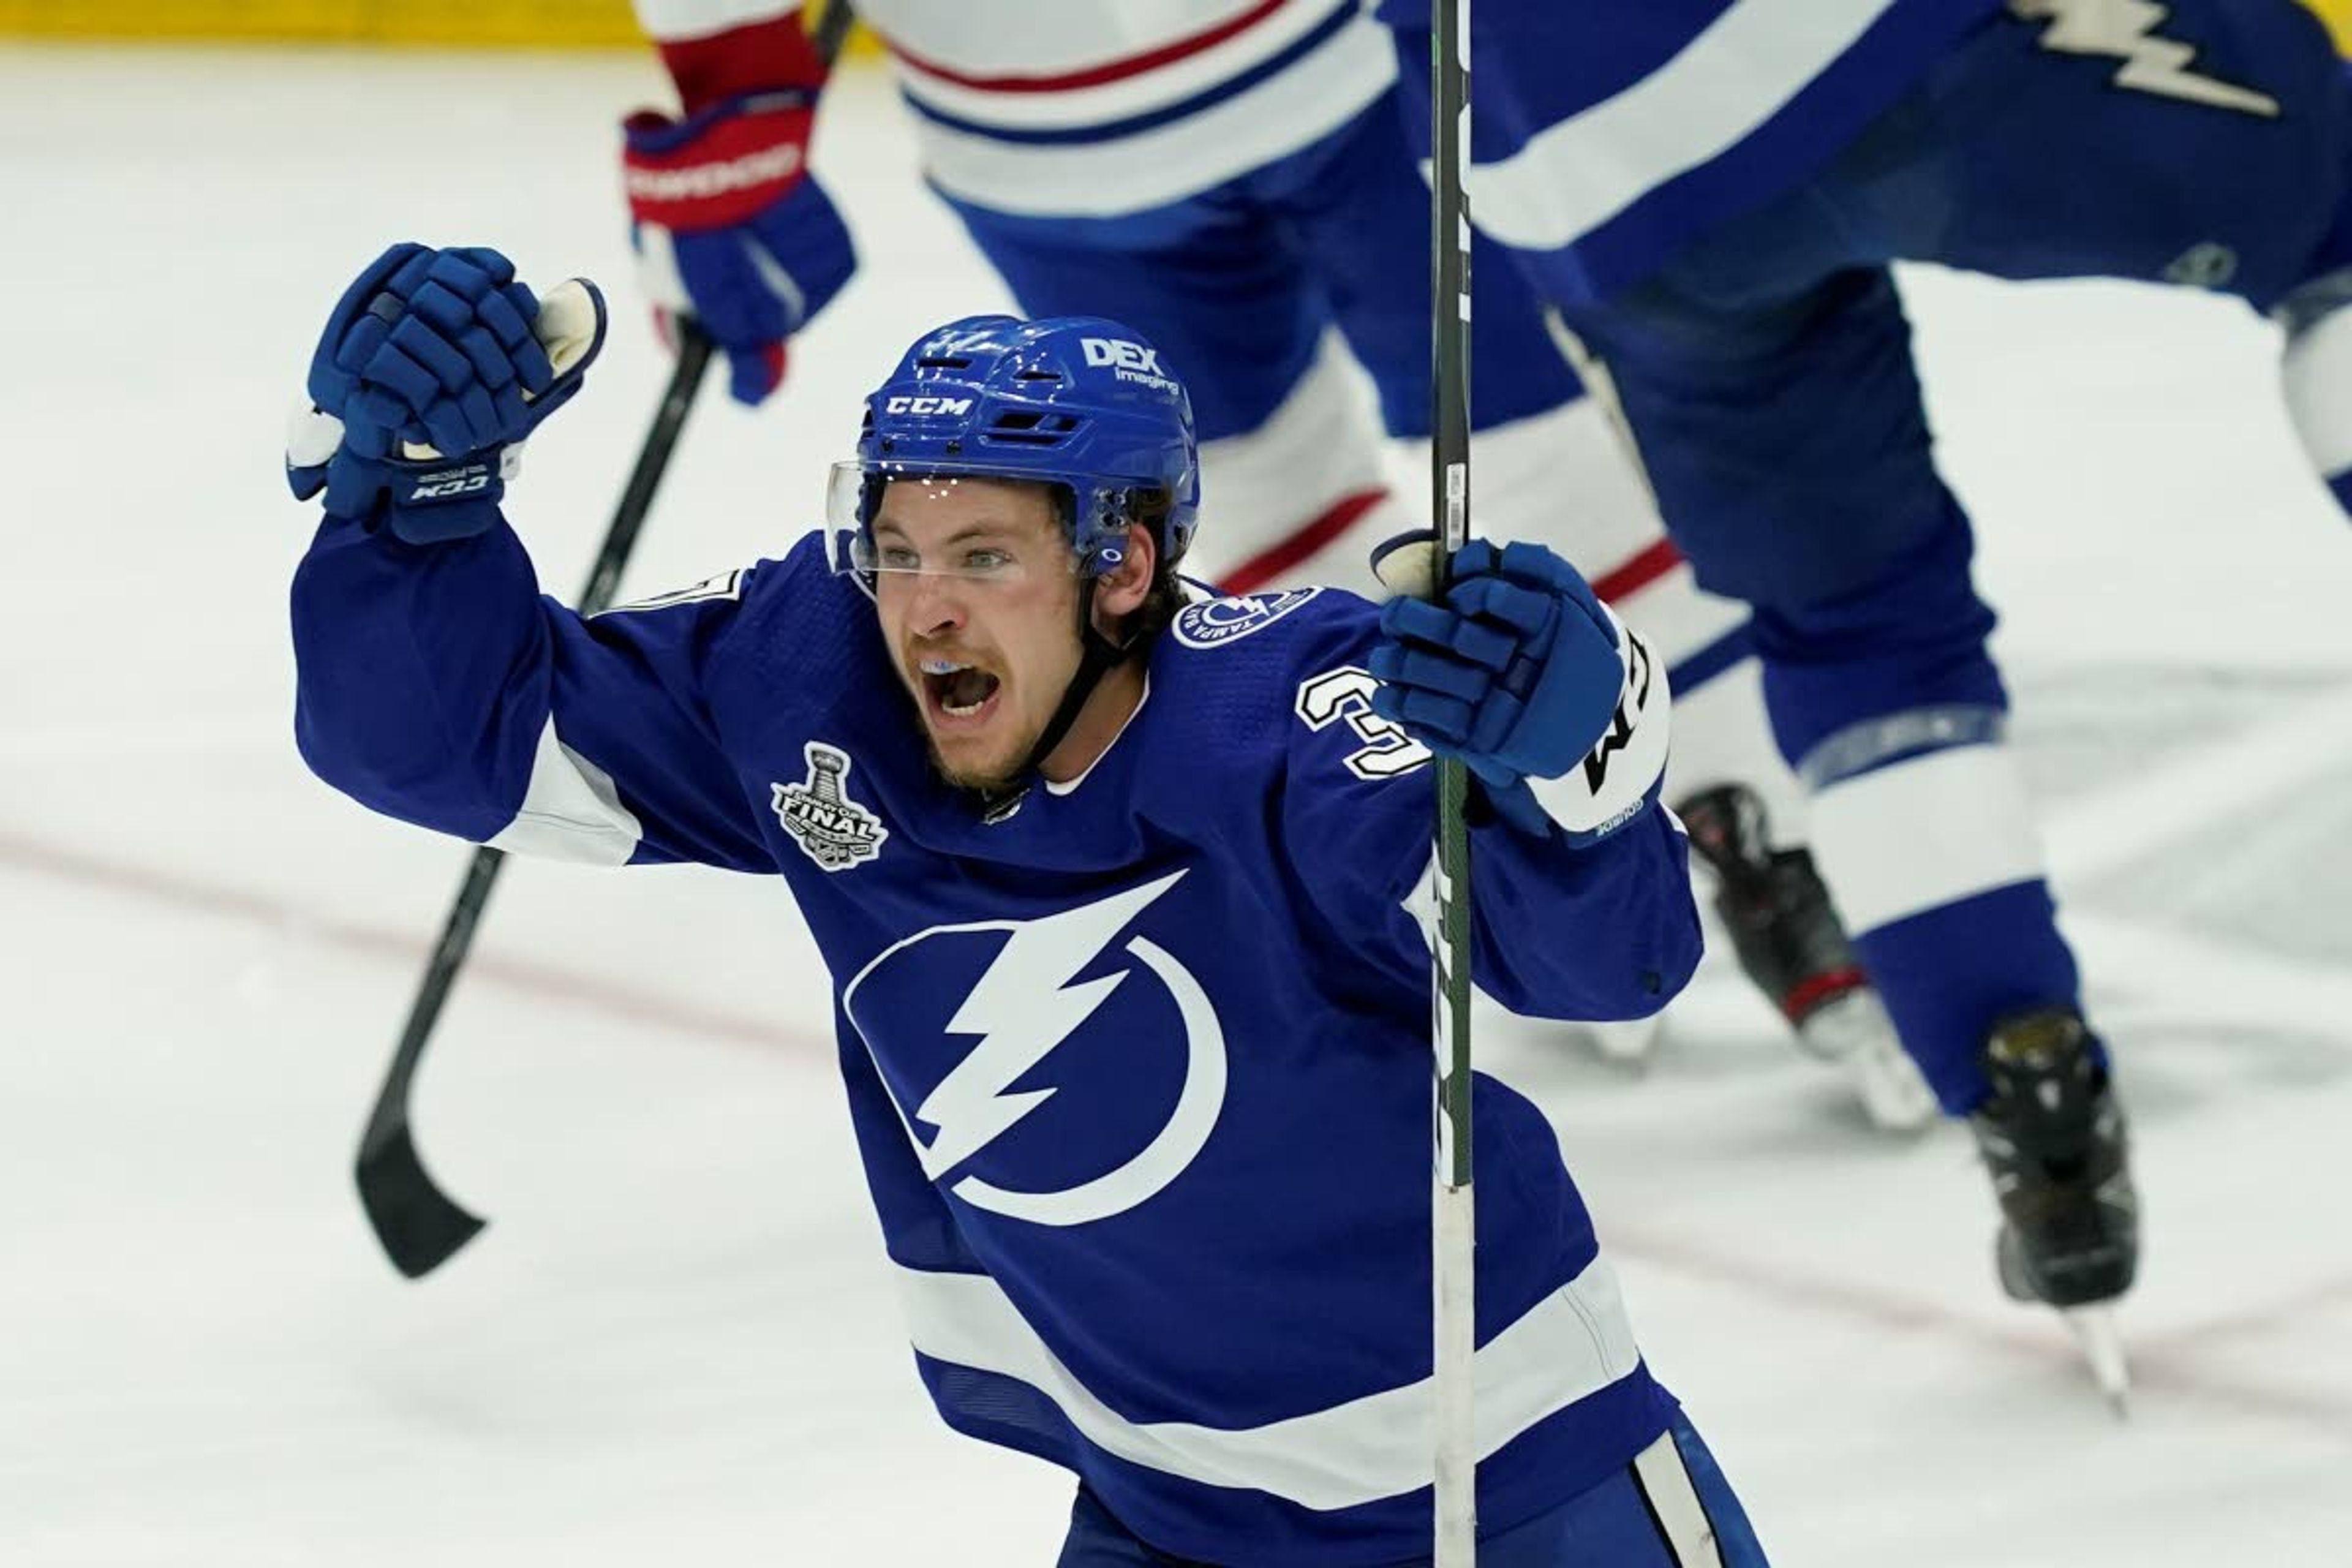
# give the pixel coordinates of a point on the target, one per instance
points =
(1347, 693)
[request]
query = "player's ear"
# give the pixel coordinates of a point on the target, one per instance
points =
(1121, 590)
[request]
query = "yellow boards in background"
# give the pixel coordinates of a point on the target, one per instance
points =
(538, 24)
(2337, 15)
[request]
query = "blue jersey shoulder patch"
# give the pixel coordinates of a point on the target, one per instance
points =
(1216, 622)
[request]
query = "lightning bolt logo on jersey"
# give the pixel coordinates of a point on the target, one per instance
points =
(2127, 30)
(1143, 1113)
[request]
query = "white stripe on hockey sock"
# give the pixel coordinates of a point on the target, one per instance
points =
(1574, 176)
(1921, 833)
(1573, 1344)
(570, 811)
(1666, 1480)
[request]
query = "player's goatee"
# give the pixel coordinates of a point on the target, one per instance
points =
(998, 783)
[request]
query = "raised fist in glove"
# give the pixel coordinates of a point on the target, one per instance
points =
(1555, 707)
(434, 366)
(732, 228)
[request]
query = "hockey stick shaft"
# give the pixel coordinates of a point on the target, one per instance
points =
(419, 1225)
(1453, 1213)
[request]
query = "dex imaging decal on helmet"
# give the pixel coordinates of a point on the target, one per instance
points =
(1134, 362)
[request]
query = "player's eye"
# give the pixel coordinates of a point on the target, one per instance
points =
(897, 558)
(985, 561)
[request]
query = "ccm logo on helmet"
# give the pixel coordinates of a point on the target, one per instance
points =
(1130, 362)
(928, 405)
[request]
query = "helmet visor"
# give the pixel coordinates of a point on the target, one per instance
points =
(944, 520)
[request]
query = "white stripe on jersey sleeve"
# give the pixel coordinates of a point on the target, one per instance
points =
(570, 811)
(1575, 175)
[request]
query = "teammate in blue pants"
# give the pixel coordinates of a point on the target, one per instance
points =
(1232, 179)
(1713, 194)
(1114, 884)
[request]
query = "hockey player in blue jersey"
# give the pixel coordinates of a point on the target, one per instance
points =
(1713, 191)
(1114, 884)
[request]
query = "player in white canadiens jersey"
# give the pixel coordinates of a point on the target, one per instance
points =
(1114, 881)
(1232, 178)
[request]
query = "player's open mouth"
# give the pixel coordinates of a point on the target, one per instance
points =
(957, 693)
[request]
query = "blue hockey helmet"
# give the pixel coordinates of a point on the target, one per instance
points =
(1076, 402)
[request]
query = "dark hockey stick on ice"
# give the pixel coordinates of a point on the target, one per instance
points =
(1452, 1214)
(419, 1224)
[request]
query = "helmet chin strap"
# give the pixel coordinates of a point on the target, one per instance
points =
(1098, 657)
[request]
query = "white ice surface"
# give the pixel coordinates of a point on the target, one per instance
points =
(676, 1342)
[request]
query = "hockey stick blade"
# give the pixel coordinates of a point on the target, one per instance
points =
(420, 1226)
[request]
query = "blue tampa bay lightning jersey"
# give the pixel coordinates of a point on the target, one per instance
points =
(1605, 133)
(1140, 1070)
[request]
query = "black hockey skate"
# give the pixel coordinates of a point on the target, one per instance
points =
(2052, 1136)
(1793, 945)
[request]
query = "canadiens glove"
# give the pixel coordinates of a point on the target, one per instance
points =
(732, 228)
(434, 366)
(1521, 672)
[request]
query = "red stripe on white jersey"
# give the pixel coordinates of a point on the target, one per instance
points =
(1286, 552)
(1638, 574)
(1110, 70)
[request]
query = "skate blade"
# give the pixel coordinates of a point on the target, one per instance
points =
(1854, 1033)
(2102, 1344)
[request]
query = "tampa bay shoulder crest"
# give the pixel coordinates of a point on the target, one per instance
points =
(1212, 623)
(832, 829)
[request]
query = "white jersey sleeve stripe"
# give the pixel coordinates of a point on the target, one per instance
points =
(1572, 1344)
(1572, 177)
(571, 811)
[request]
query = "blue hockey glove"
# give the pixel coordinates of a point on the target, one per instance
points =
(433, 368)
(732, 229)
(1524, 675)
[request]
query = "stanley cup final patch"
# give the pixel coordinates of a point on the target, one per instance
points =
(832, 829)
